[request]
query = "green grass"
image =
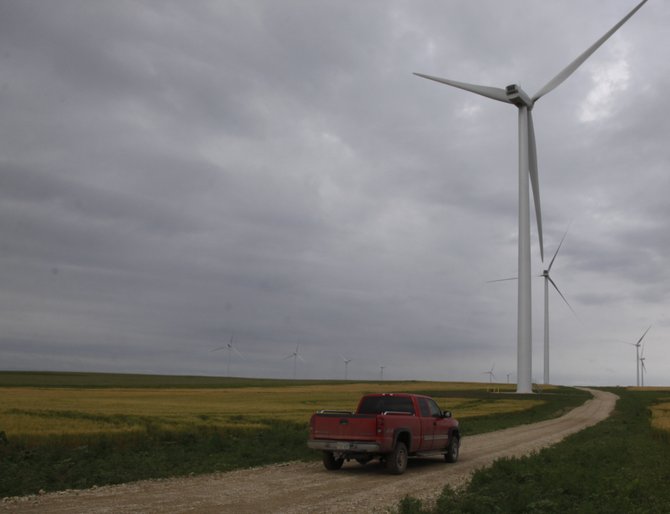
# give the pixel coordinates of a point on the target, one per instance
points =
(620, 465)
(155, 453)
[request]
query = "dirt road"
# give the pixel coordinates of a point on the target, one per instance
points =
(308, 487)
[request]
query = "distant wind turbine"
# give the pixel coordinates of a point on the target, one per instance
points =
(231, 349)
(513, 94)
(381, 374)
(295, 356)
(547, 281)
(637, 354)
(346, 367)
(490, 373)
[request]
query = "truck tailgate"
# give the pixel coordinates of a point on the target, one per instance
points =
(352, 427)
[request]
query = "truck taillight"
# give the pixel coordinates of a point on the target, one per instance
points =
(380, 425)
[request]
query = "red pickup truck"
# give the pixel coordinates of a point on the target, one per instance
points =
(390, 426)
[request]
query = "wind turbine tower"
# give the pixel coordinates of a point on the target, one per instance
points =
(513, 94)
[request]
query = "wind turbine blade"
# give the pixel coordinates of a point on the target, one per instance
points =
(299, 357)
(288, 357)
(559, 292)
(219, 348)
(534, 180)
(501, 280)
(645, 333)
(570, 68)
(494, 93)
(557, 249)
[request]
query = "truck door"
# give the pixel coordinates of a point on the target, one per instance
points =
(440, 426)
(427, 425)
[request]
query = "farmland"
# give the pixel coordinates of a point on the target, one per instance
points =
(660, 418)
(36, 413)
(79, 430)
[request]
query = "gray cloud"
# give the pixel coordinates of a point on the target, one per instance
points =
(171, 176)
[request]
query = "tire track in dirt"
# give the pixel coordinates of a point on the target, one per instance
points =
(308, 488)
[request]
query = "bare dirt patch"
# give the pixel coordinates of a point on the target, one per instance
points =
(307, 487)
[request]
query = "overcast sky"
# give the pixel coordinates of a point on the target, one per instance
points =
(173, 173)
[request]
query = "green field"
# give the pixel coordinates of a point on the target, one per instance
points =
(76, 430)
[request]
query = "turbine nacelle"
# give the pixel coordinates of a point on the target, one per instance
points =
(518, 96)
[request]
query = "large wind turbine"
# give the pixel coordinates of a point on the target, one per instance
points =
(548, 280)
(513, 94)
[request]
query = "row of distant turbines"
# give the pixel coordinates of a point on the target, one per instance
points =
(231, 350)
(528, 169)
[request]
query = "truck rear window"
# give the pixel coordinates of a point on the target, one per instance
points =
(379, 404)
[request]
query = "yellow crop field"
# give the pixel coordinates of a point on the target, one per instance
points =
(660, 416)
(41, 412)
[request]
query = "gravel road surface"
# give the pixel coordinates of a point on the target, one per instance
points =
(300, 487)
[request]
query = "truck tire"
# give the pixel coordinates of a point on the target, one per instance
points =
(453, 449)
(396, 462)
(330, 462)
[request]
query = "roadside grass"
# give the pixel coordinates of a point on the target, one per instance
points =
(65, 462)
(53, 438)
(620, 465)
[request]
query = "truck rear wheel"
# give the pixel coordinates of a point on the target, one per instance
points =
(330, 462)
(396, 462)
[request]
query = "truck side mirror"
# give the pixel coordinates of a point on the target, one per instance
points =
(446, 414)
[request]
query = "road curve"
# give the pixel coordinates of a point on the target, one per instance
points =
(307, 487)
